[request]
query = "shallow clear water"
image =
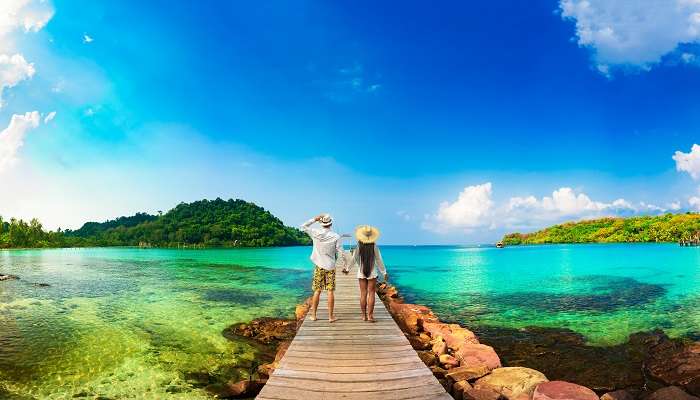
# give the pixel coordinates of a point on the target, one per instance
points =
(133, 323)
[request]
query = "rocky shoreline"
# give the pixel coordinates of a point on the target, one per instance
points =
(650, 367)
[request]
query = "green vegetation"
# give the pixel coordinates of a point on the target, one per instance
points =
(661, 228)
(205, 223)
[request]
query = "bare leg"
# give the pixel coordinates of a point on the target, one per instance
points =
(363, 298)
(314, 304)
(331, 303)
(371, 287)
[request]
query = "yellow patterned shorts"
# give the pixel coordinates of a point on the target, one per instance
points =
(323, 279)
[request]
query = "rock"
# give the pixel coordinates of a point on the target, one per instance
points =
(458, 389)
(617, 395)
(671, 393)
(419, 342)
(237, 390)
(265, 370)
(511, 382)
(481, 394)
(264, 330)
(475, 355)
(8, 277)
(458, 336)
(675, 363)
(281, 349)
(444, 384)
(42, 285)
(467, 373)
(438, 372)
(301, 311)
(448, 361)
(411, 317)
(560, 390)
(428, 357)
(439, 346)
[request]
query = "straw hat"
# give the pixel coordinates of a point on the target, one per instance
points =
(326, 220)
(366, 234)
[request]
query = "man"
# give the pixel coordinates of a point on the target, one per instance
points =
(327, 245)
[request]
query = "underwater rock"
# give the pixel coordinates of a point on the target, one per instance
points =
(237, 390)
(41, 285)
(560, 390)
(264, 330)
(8, 277)
(512, 382)
(671, 393)
(675, 363)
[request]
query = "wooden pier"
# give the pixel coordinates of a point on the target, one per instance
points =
(351, 358)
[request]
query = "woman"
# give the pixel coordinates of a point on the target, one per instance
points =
(368, 259)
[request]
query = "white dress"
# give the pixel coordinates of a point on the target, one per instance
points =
(354, 261)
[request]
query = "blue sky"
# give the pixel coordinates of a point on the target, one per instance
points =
(449, 124)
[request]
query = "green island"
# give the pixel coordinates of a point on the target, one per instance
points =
(204, 223)
(659, 228)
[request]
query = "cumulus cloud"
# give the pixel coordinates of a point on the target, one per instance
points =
(694, 202)
(476, 208)
(635, 33)
(12, 137)
(28, 15)
(471, 209)
(87, 38)
(689, 162)
(13, 70)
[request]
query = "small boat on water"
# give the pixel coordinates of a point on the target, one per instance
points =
(500, 245)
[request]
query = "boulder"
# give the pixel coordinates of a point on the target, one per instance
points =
(439, 346)
(467, 373)
(676, 363)
(281, 349)
(428, 357)
(237, 390)
(448, 361)
(458, 389)
(475, 355)
(617, 395)
(265, 370)
(560, 390)
(481, 394)
(511, 382)
(8, 277)
(671, 393)
(438, 371)
(458, 336)
(264, 330)
(410, 317)
(419, 342)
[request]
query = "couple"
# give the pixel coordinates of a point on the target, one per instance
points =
(327, 247)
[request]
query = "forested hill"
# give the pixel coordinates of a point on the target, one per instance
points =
(204, 223)
(661, 228)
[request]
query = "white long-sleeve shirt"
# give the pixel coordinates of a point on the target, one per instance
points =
(327, 245)
(378, 263)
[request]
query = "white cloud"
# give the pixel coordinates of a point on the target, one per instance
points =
(694, 203)
(12, 137)
(29, 15)
(49, 117)
(87, 38)
(471, 209)
(689, 162)
(635, 33)
(674, 206)
(13, 70)
(476, 208)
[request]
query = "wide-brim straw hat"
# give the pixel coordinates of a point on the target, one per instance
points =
(326, 220)
(366, 234)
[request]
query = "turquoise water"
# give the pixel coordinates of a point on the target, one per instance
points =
(137, 323)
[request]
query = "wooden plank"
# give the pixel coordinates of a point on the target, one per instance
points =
(360, 378)
(350, 369)
(422, 393)
(317, 385)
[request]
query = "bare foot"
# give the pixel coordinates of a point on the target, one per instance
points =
(364, 317)
(313, 317)
(371, 319)
(333, 319)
